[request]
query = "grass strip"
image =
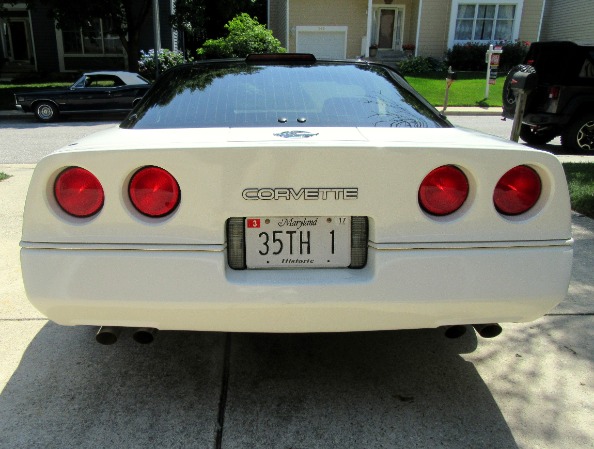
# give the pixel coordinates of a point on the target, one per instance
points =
(467, 90)
(580, 179)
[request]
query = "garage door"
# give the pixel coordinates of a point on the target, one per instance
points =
(323, 42)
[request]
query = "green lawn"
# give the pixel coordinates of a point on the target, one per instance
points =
(468, 90)
(580, 179)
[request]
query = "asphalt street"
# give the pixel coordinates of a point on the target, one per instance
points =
(531, 387)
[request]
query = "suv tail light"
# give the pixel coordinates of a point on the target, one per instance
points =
(554, 92)
(154, 191)
(443, 191)
(517, 191)
(78, 192)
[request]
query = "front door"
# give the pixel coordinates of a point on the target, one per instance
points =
(389, 28)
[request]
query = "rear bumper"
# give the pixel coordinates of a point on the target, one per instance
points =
(544, 119)
(196, 290)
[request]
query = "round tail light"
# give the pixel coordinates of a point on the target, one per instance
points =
(517, 191)
(154, 192)
(443, 191)
(78, 192)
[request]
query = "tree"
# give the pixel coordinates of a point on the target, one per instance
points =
(126, 18)
(200, 20)
(245, 36)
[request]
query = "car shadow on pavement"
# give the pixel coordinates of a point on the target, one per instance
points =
(71, 392)
(359, 390)
(352, 390)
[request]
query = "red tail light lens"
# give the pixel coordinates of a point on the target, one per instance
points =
(443, 191)
(78, 192)
(517, 191)
(154, 192)
(554, 92)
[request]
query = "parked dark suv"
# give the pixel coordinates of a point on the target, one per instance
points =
(563, 102)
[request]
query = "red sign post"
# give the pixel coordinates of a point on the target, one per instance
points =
(492, 59)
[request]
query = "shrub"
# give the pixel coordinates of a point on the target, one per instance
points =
(471, 56)
(513, 54)
(245, 36)
(167, 59)
(419, 65)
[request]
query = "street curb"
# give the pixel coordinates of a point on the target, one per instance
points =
(472, 111)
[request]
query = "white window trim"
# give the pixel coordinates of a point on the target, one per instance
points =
(454, 15)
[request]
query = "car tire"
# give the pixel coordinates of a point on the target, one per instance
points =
(46, 111)
(535, 136)
(579, 135)
(508, 95)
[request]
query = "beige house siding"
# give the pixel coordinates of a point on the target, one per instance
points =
(563, 19)
(349, 13)
(435, 21)
(530, 23)
(277, 21)
(568, 20)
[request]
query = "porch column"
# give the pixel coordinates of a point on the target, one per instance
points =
(369, 19)
(417, 38)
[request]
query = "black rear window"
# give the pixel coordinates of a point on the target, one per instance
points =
(237, 94)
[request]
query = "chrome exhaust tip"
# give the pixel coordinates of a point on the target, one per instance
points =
(144, 335)
(108, 335)
(489, 330)
(455, 331)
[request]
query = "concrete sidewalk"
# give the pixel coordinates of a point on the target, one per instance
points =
(531, 387)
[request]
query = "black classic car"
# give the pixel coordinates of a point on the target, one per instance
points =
(95, 92)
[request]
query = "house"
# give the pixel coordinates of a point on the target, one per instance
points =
(568, 20)
(30, 42)
(348, 28)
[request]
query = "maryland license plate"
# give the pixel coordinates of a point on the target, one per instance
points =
(304, 242)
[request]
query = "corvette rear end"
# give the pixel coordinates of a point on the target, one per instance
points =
(296, 228)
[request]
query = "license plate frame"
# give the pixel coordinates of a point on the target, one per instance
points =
(297, 242)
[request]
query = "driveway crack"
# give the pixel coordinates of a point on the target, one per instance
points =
(224, 389)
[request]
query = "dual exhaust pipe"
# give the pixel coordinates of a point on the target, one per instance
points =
(108, 335)
(489, 330)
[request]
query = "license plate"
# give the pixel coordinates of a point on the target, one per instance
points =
(298, 242)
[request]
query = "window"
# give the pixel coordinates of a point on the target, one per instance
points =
(485, 22)
(237, 94)
(96, 37)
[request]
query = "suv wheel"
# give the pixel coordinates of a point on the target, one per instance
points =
(508, 96)
(579, 135)
(537, 136)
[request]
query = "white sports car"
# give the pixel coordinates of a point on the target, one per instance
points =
(284, 194)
